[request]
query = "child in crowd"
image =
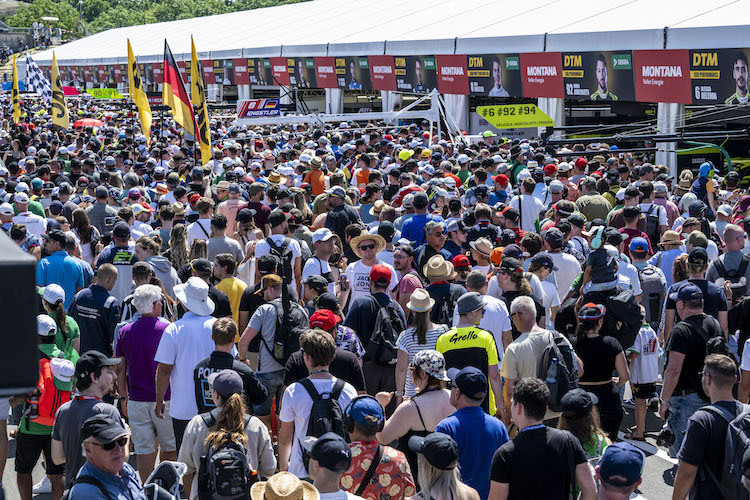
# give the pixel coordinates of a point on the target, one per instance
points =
(644, 369)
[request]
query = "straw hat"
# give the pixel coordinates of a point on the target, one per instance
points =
(276, 178)
(420, 301)
(438, 269)
(483, 246)
(377, 207)
(283, 486)
(670, 238)
(379, 242)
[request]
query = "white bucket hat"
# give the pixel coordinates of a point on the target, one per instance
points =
(194, 296)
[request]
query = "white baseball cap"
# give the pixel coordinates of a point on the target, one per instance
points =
(322, 234)
(22, 198)
(6, 209)
(53, 292)
(45, 325)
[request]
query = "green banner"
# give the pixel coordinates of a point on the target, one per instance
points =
(105, 93)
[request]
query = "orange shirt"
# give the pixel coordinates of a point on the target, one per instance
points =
(317, 180)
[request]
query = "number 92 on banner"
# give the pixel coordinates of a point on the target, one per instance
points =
(515, 116)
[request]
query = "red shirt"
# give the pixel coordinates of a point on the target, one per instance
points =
(635, 233)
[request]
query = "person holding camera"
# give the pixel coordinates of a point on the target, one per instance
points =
(682, 393)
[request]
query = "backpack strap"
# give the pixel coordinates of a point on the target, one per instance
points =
(208, 418)
(92, 481)
(719, 265)
(370, 471)
(743, 265)
(310, 388)
(338, 386)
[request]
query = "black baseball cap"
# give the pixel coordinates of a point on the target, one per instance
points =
(104, 427)
(514, 251)
(121, 230)
(267, 264)
(91, 361)
(327, 300)
(470, 381)
(577, 220)
(246, 215)
(439, 449)
(687, 292)
(543, 259)
(55, 235)
(276, 218)
(420, 200)
(578, 402)
(202, 266)
(698, 255)
(316, 282)
(330, 450)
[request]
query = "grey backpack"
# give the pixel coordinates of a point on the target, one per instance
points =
(654, 293)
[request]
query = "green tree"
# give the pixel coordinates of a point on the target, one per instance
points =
(91, 9)
(119, 17)
(27, 14)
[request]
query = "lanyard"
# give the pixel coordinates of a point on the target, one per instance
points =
(533, 428)
(84, 398)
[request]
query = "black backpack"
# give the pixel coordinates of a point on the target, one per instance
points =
(381, 348)
(557, 369)
(729, 483)
(225, 473)
(284, 253)
(442, 311)
(291, 322)
(623, 319)
(326, 414)
(652, 223)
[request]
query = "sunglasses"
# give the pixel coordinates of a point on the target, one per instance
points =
(439, 233)
(121, 442)
(371, 246)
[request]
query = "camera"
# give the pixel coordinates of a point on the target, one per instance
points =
(665, 438)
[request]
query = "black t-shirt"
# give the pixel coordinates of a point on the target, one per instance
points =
(520, 463)
(598, 355)
(340, 217)
(255, 392)
(344, 366)
(714, 299)
(704, 445)
(689, 337)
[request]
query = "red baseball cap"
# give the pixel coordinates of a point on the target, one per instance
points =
(381, 274)
(502, 179)
(146, 206)
(581, 162)
(194, 198)
(461, 262)
(550, 168)
(324, 319)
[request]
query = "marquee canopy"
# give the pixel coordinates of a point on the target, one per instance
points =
(373, 27)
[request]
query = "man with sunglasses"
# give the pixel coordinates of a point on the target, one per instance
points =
(435, 245)
(106, 473)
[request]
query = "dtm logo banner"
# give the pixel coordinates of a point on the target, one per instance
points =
(542, 75)
(719, 76)
(598, 76)
(495, 75)
(256, 108)
(662, 76)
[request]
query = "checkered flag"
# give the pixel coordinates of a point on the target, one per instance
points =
(37, 82)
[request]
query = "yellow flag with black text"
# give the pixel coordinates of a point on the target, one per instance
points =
(198, 96)
(138, 95)
(59, 109)
(16, 96)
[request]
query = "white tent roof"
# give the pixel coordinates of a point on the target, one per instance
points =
(371, 27)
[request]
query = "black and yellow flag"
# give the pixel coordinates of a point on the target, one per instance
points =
(135, 89)
(198, 94)
(15, 94)
(174, 94)
(59, 109)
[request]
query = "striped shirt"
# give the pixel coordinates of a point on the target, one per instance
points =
(408, 343)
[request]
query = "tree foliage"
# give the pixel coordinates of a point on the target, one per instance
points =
(101, 15)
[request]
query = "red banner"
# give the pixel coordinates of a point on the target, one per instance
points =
(541, 74)
(70, 91)
(241, 76)
(662, 76)
(325, 73)
(87, 74)
(382, 73)
(452, 76)
(158, 73)
(118, 73)
(280, 71)
(209, 78)
(102, 73)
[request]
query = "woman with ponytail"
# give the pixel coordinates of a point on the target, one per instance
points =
(68, 336)
(601, 356)
(229, 423)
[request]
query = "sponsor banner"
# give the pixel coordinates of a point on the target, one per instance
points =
(415, 73)
(452, 76)
(241, 76)
(102, 74)
(105, 93)
(382, 73)
(279, 71)
(353, 73)
(86, 74)
(260, 71)
(662, 76)
(495, 75)
(158, 73)
(598, 76)
(67, 91)
(207, 72)
(301, 72)
(224, 71)
(118, 73)
(154, 98)
(541, 74)
(515, 116)
(256, 108)
(719, 76)
(325, 73)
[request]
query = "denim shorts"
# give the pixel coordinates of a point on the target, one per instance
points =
(681, 408)
(274, 382)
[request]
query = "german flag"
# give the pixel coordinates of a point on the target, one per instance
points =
(174, 94)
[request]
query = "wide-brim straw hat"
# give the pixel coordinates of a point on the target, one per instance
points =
(420, 301)
(276, 178)
(670, 238)
(483, 246)
(377, 207)
(379, 242)
(284, 486)
(438, 269)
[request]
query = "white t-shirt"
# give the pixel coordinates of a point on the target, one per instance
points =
(296, 406)
(493, 289)
(262, 248)
(529, 211)
(645, 207)
(551, 299)
(630, 272)
(183, 344)
(358, 275)
(317, 266)
(199, 230)
(496, 320)
(568, 270)
(34, 224)
(712, 250)
(645, 368)
(339, 495)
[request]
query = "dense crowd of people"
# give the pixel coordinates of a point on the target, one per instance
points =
(375, 311)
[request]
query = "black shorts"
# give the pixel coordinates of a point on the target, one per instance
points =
(644, 391)
(28, 449)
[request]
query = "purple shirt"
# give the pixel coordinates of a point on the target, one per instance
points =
(137, 343)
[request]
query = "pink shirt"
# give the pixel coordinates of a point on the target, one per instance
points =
(229, 210)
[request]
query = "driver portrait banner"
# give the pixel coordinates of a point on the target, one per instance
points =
(224, 71)
(301, 72)
(353, 73)
(719, 76)
(598, 76)
(325, 73)
(662, 76)
(452, 77)
(382, 73)
(415, 73)
(542, 75)
(495, 75)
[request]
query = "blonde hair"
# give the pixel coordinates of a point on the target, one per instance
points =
(230, 424)
(437, 484)
(178, 255)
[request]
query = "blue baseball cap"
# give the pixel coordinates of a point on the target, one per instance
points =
(704, 169)
(639, 245)
(470, 381)
(621, 464)
(363, 407)
(686, 292)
